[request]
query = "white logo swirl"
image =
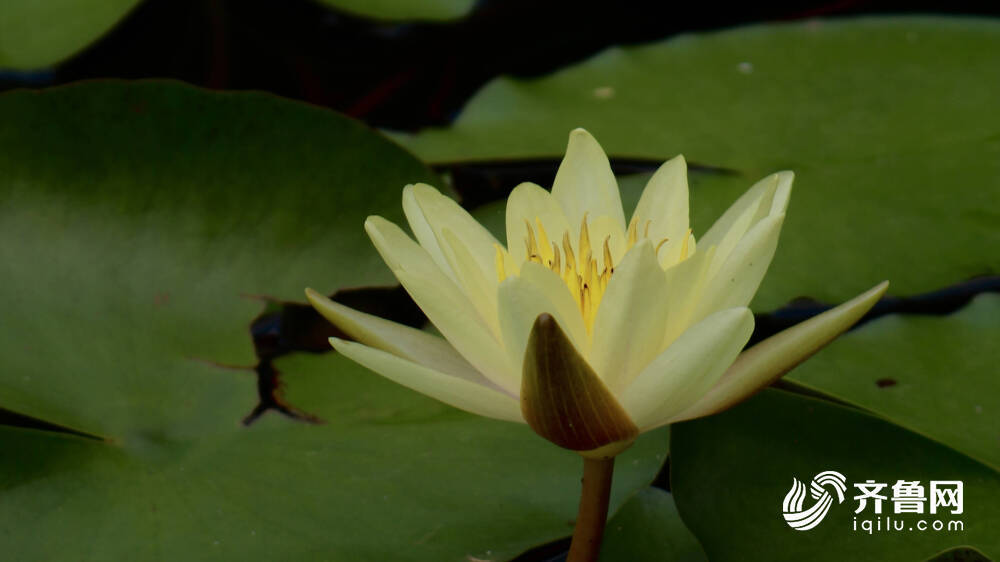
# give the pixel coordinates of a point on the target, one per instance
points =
(803, 520)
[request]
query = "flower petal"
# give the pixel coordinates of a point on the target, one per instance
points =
(664, 205)
(585, 184)
(529, 203)
(443, 302)
(686, 282)
(767, 197)
(523, 298)
(429, 213)
(630, 321)
(767, 361)
(688, 368)
(457, 392)
(736, 280)
(564, 400)
(403, 341)
(481, 290)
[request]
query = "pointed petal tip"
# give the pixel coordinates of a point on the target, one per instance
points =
(545, 321)
(315, 298)
(772, 358)
(580, 136)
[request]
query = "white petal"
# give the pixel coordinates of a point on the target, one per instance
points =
(536, 290)
(664, 204)
(736, 280)
(686, 283)
(403, 341)
(767, 197)
(457, 320)
(460, 393)
(585, 184)
(481, 290)
(429, 213)
(628, 329)
(767, 361)
(688, 368)
(447, 307)
(529, 202)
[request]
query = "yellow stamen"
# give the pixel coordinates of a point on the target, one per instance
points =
(501, 274)
(633, 231)
(662, 242)
(530, 241)
(579, 269)
(570, 258)
(543, 240)
(684, 245)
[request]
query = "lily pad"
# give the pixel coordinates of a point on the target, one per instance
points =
(648, 528)
(40, 34)
(887, 122)
(390, 475)
(730, 493)
(935, 376)
(137, 220)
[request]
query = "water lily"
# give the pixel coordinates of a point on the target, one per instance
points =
(589, 327)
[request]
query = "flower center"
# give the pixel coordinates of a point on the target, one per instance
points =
(584, 277)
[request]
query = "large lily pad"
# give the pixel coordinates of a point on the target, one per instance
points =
(936, 376)
(730, 493)
(888, 123)
(135, 222)
(39, 34)
(390, 476)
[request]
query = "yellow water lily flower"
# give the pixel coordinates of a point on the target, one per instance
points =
(590, 328)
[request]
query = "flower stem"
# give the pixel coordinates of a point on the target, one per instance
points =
(593, 514)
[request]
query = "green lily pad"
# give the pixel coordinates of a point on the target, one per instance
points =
(730, 493)
(936, 376)
(40, 34)
(403, 10)
(137, 221)
(887, 122)
(390, 475)
(648, 528)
